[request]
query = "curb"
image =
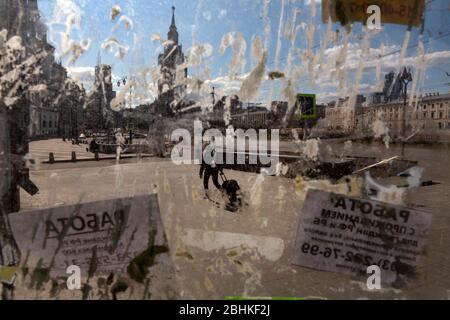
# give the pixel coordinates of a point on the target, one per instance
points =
(95, 160)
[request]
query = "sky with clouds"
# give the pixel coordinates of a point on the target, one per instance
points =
(130, 45)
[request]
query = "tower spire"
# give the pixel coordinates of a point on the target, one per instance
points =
(173, 32)
(173, 17)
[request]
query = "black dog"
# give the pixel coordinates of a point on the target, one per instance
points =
(231, 188)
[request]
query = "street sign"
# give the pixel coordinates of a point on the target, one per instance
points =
(405, 12)
(306, 106)
(347, 235)
(120, 236)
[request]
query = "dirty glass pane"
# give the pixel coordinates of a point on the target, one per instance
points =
(224, 149)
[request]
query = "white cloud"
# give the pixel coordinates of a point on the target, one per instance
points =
(377, 57)
(328, 86)
(327, 96)
(65, 30)
(225, 85)
(63, 9)
(86, 76)
(83, 75)
(355, 56)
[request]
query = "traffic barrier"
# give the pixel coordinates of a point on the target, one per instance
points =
(97, 157)
(51, 158)
(74, 156)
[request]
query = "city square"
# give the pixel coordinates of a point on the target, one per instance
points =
(171, 159)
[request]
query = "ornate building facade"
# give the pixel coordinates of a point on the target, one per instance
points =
(171, 85)
(45, 105)
(22, 18)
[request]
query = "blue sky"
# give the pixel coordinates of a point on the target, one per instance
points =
(210, 20)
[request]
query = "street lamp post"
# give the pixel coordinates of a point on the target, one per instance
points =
(76, 125)
(124, 82)
(130, 118)
(213, 94)
(405, 78)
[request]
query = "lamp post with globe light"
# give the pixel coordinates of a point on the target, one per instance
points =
(123, 82)
(405, 78)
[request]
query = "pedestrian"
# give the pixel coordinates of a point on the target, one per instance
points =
(210, 170)
(120, 141)
(93, 146)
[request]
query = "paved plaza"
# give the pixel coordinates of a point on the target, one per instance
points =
(218, 253)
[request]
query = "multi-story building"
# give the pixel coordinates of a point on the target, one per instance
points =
(254, 116)
(432, 112)
(430, 115)
(427, 118)
(172, 98)
(71, 112)
(171, 85)
(98, 112)
(42, 109)
(22, 18)
(44, 121)
(340, 117)
(390, 113)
